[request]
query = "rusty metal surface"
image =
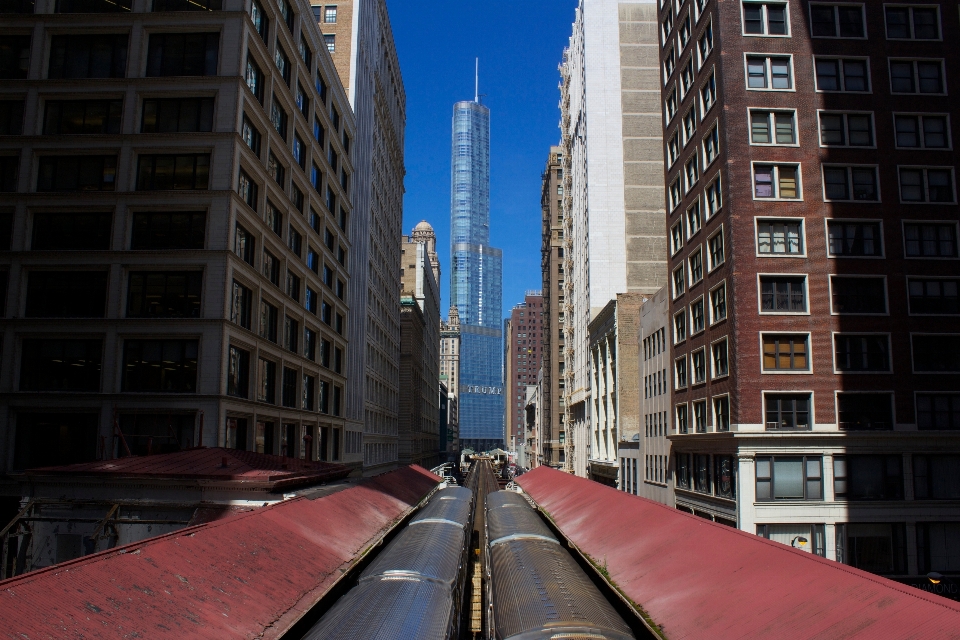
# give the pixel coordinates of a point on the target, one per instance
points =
(248, 576)
(207, 463)
(699, 579)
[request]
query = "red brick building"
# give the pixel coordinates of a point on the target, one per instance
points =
(524, 352)
(812, 216)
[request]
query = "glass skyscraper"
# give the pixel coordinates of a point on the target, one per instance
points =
(475, 281)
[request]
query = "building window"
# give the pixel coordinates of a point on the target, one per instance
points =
(278, 117)
(69, 117)
(241, 307)
(182, 54)
(786, 352)
(676, 237)
(164, 294)
(787, 411)
(330, 15)
(696, 317)
(842, 74)
(691, 172)
(846, 129)
(251, 135)
(671, 103)
(699, 360)
(721, 414)
(765, 18)
(673, 149)
(684, 33)
(708, 93)
(302, 101)
(676, 194)
(254, 79)
(679, 327)
(783, 294)
(705, 44)
(268, 321)
(780, 237)
(837, 21)
(936, 353)
(936, 477)
(773, 127)
(63, 231)
(282, 62)
(789, 478)
(669, 64)
(937, 548)
(854, 239)
(870, 352)
(686, 77)
(238, 372)
(244, 245)
(718, 304)
(938, 411)
(701, 472)
(776, 181)
(930, 240)
(85, 56)
(680, 377)
(307, 400)
(276, 170)
(720, 362)
(266, 381)
(15, 55)
(912, 23)
(874, 547)
(696, 267)
(66, 294)
(330, 40)
(75, 173)
(865, 411)
(60, 365)
(769, 72)
(179, 115)
(682, 426)
(711, 146)
(922, 131)
(917, 76)
(260, 21)
(168, 366)
(11, 118)
(293, 286)
(173, 172)
(679, 282)
(858, 184)
(286, 13)
(868, 477)
(859, 295)
(806, 537)
(715, 245)
(712, 198)
(919, 184)
(274, 219)
(935, 296)
(288, 395)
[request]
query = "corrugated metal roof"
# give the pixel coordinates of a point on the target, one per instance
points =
(214, 463)
(248, 576)
(699, 579)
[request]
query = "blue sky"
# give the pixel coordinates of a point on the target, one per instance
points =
(519, 44)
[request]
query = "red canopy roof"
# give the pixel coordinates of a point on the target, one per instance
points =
(202, 463)
(249, 575)
(699, 579)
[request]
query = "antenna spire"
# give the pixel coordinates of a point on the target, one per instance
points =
(476, 82)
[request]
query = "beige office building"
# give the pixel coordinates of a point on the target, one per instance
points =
(358, 36)
(176, 232)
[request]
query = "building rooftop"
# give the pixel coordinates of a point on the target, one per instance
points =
(245, 468)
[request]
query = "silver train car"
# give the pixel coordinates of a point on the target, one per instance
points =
(538, 591)
(414, 587)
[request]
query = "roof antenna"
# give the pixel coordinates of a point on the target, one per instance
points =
(476, 82)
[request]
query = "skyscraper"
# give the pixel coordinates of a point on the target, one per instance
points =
(475, 281)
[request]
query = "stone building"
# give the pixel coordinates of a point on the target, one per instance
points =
(358, 35)
(614, 369)
(450, 377)
(813, 274)
(177, 233)
(522, 353)
(614, 232)
(551, 435)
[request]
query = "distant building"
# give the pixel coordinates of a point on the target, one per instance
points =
(475, 279)
(450, 376)
(420, 340)
(551, 435)
(524, 349)
(614, 222)
(358, 35)
(527, 453)
(614, 368)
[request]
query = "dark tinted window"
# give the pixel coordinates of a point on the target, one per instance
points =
(865, 411)
(66, 231)
(149, 433)
(88, 56)
(14, 57)
(183, 54)
(51, 439)
(859, 295)
(173, 172)
(173, 294)
(177, 115)
(868, 477)
(66, 294)
(160, 365)
(936, 353)
(168, 230)
(9, 173)
(6, 230)
(60, 365)
(16, 6)
(11, 117)
(82, 116)
(77, 173)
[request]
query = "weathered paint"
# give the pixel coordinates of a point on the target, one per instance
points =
(248, 576)
(699, 579)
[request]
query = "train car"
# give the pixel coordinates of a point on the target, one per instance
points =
(414, 587)
(538, 591)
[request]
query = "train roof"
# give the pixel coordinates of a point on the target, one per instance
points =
(510, 520)
(395, 609)
(443, 507)
(540, 589)
(429, 550)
